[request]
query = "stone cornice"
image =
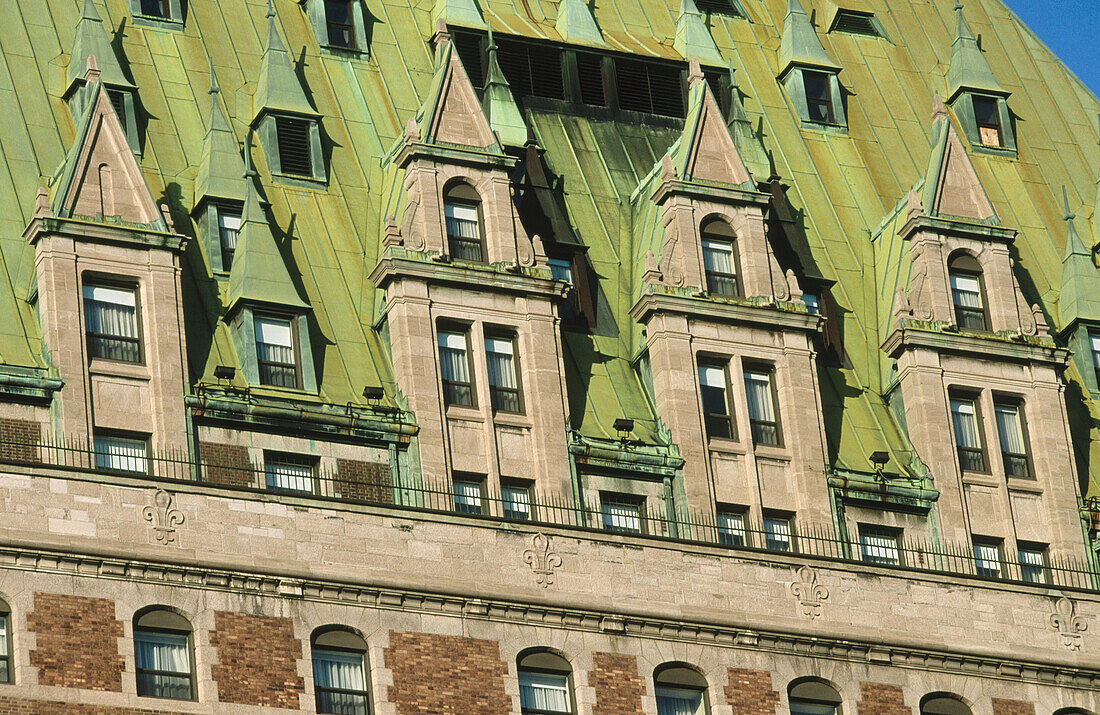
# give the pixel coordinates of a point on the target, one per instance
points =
(120, 234)
(400, 263)
(993, 347)
(769, 316)
(728, 194)
(452, 154)
(958, 227)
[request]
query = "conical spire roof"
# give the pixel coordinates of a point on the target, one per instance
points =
(451, 112)
(951, 185)
(577, 25)
(499, 104)
(462, 13)
(800, 44)
(692, 36)
(91, 40)
(259, 273)
(1079, 298)
(220, 166)
(278, 89)
(968, 69)
(740, 128)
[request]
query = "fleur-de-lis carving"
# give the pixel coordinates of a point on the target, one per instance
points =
(809, 592)
(164, 517)
(1068, 624)
(542, 560)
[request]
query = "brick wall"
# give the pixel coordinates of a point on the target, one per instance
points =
(364, 481)
(1012, 707)
(76, 642)
(226, 464)
(19, 440)
(878, 699)
(257, 660)
(19, 706)
(618, 687)
(750, 692)
(446, 675)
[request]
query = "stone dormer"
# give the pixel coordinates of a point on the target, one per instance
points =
(107, 264)
(808, 74)
(1079, 303)
(979, 101)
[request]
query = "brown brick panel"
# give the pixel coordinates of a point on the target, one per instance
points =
(19, 706)
(1012, 707)
(364, 481)
(446, 675)
(750, 692)
(76, 642)
(878, 699)
(257, 660)
(19, 440)
(619, 689)
(226, 464)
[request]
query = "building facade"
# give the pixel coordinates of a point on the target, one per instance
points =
(710, 357)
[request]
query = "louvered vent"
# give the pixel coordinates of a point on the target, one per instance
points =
(118, 101)
(468, 46)
(590, 79)
(649, 87)
(856, 23)
(531, 70)
(719, 7)
(294, 146)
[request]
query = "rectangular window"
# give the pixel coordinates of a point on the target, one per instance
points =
(338, 14)
(500, 358)
(731, 528)
(468, 497)
(1033, 563)
(718, 263)
(229, 226)
(118, 101)
(543, 693)
(122, 454)
(854, 22)
(454, 367)
(763, 415)
(966, 294)
(649, 87)
(714, 389)
(879, 546)
(1010, 428)
(163, 664)
(968, 437)
(339, 681)
(295, 146)
(621, 514)
(290, 473)
(719, 7)
(532, 69)
(590, 79)
(987, 116)
(987, 558)
(5, 648)
(777, 533)
(276, 352)
(156, 8)
(1094, 347)
(517, 502)
(819, 97)
(111, 323)
(463, 232)
(678, 701)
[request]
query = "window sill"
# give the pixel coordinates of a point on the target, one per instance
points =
(989, 150)
(772, 452)
(1019, 484)
(726, 446)
(158, 23)
(300, 181)
(119, 368)
(463, 412)
(981, 479)
(345, 53)
(825, 128)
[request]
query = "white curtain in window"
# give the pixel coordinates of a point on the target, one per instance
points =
(544, 691)
(1010, 429)
(966, 290)
(161, 651)
(1094, 343)
(677, 701)
(288, 475)
(121, 453)
(230, 226)
(758, 387)
(718, 257)
(965, 421)
(452, 357)
(274, 340)
(501, 363)
(110, 311)
(3, 634)
(988, 557)
(778, 533)
(461, 221)
(338, 670)
(879, 548)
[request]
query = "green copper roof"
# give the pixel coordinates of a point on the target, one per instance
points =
(278, 88)
(220, 166)
(463, 13)
(1079, 295)
(499, 105)
(965, 197)
(576, 24)
(799, 43)
(744, 136)
(91, 40)
(969, 69)
(692, 36)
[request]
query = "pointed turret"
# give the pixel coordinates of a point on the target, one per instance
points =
(220, 166)
(968, 70)
(799, 44)
(462, 13)
(692, 36)
(278, 89)
(577, 25)
(1079, 298)
(740, 128)
(451, 112)
(91, 40)
(499, 104)
(951, 185)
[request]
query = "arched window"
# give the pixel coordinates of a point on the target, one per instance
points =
(680, 690)
(339, 672)
(5, 642)
(943, 704)
(720, 258)
(813, 697)
(544, 685)
(462, 211)
(163, 654)
(967, 295)
(1072, 711)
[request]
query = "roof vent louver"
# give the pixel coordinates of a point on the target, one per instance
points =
(720, 7)
(854, 22)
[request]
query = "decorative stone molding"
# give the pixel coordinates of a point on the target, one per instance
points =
(1069, 625)
(164, 517)
(542, 560)
(809, 592)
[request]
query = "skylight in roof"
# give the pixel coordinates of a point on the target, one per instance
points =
(720, 7)
(854, 22)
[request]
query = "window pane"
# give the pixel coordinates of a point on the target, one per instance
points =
(121, 454)
(966, 290)
(275, 352)
(678, 701)
(454, 368)
(878, 548)
(802, 707)
(463, 233)
(544, 692)
(517, 503)
(761, 403)
(1033, 565)
(731, 528)
(229, 227)
(719, 266)
(110, 319)
(622, 516)
(964, 418)
(340, 682)
(987, 560)
(502, 374)
(289, 475)
(163, 665)
(777, 534)
(468, 497)
(561, 269)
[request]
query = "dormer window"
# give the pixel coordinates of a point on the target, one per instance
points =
(720, 259)
(731, 8)
(461, 210)
(158, 13)
(341, 31)
(965, 275)
(819, 99)
(987, 117)
(275, 351)
(229, 226)
(854, 22)
(156, 8)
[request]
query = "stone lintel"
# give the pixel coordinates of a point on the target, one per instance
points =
(413, 265)
(769, 317)
(958, 227)
(120, 234)
(995, 346)
(725, 194)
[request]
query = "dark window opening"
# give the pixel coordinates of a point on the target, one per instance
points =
(966, 422)
(987, 116)
(714, 390)
(118, 101)
(531, 69)
(719, 7)
(854, 22)
(338, 18)
(295, 150)
(156, 8)
(819, 97)
(468, 47)
(229, 227)
(454, 366)
(590, 79)
(649, 87)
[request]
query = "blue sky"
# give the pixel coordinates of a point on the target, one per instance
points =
(1070, 28)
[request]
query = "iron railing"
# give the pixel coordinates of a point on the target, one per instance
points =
(356, 485)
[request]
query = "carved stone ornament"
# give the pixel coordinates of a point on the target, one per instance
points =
(809, 592)
(164, 517)
(542, 560)
(1069, 625)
